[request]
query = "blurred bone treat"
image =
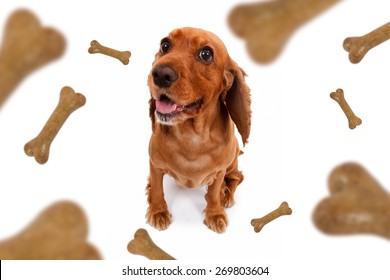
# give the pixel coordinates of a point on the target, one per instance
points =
(58, 233)
(357, 204)
(267, 25)
(26, 46)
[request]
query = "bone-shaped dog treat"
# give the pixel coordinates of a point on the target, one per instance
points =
(122, 56)
(359, 46)
(58, 233)
(357, 204)
(39, 147)
(267, 25)
(26, 47)
(259, 223)
(143, 245)
(353, 120)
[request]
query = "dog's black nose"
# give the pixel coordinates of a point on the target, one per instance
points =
(163, 75)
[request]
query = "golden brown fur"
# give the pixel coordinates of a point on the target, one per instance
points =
(195, 102)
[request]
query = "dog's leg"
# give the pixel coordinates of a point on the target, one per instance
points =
(232, 179)
(157, 214)
(215, 216)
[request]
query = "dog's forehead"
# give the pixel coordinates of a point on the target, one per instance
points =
(196, 37)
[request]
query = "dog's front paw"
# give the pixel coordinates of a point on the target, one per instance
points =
(216, 220)
(159, 219)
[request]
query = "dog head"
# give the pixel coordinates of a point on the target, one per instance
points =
(191, 71)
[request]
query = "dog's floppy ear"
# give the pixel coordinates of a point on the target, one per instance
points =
(238, 100)
(152, 109)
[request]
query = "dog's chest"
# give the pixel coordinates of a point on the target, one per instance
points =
(192, 173)
(194, 160)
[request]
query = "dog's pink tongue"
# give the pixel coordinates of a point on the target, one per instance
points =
(165, 106)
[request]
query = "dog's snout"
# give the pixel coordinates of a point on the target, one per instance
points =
(163, 75)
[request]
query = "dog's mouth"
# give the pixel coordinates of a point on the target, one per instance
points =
(167, 109)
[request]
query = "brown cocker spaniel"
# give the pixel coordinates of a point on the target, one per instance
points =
(198, 93)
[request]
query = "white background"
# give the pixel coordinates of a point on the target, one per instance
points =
(99, 159)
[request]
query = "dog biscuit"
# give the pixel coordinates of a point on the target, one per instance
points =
(39, 147)
(26, 47)
(143, 245)
(259, 223)
(357, 47)
(122, 56)
(353, 120)
(357, 204)
(267, 25)
(58, 233)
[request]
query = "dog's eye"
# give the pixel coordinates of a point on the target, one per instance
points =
(165, 46)
(206, 55)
